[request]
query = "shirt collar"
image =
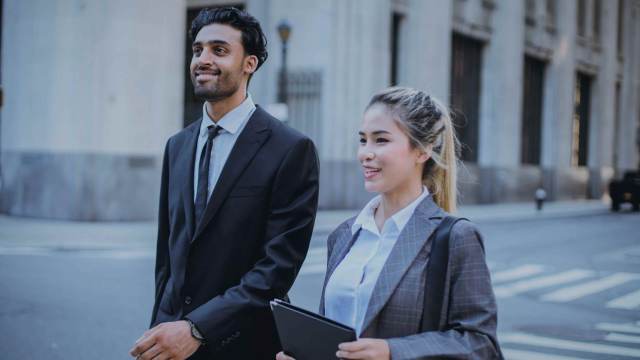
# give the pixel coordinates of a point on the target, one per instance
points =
(232, 120)
(365, 218)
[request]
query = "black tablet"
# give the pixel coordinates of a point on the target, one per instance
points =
(306, 335)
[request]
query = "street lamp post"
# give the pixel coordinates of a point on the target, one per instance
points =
(638, 144)
(284, 30)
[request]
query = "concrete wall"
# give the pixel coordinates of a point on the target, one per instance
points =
(91, 95)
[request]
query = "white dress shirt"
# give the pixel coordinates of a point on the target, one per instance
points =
(350, 287)
(232, 124)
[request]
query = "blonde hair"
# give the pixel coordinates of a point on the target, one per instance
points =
(427, 123)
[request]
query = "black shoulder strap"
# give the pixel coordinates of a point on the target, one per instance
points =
(437, 274)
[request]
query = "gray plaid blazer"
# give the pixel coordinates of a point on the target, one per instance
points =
(467, 329)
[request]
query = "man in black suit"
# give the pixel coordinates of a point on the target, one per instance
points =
(238, 201)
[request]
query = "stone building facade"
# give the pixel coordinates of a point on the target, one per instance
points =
(544, 92)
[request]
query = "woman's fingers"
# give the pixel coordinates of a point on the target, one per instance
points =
(353, 345)
(363, 354)
(282, 356)
(377, 349)
(353, 349)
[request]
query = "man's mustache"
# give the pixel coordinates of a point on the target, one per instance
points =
(206, 70)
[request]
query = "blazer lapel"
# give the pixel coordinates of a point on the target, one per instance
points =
(254, 134)
(187, 160)
(410, 242)
(344, 241)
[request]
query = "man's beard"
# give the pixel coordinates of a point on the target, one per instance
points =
(223, 89)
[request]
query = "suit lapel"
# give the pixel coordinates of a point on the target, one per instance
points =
(187, 160)
(410, 242)
(254, 134)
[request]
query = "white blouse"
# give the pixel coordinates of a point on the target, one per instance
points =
(350, 287)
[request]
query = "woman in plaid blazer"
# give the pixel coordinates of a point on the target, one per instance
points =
(377, 261)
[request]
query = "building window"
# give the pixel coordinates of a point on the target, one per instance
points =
(580, 129)
(597, 9)
(581, 17)
(620, 26)
(193, 105)
(616, 126)
(530, 12)
(532, 110)
(551, 13)
(466, 65)
(396, 26)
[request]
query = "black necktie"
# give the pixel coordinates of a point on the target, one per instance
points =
(202, 195)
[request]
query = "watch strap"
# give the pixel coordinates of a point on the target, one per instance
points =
(195, 332)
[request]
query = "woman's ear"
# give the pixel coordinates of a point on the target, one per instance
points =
(424, 154)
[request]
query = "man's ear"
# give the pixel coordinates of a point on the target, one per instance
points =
(250, 64)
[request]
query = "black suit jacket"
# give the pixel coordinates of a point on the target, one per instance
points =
(250, 244)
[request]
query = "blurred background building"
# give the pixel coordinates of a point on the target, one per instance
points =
(545, 93)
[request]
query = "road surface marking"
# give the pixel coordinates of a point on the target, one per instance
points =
(124, 254)
(517, 273)
(530, 355)
(623, 338)
(541, 282)
(629, 301)
(535, 340)
(627, 328)
(575, 292)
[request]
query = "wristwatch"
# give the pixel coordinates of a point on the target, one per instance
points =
(195, 332)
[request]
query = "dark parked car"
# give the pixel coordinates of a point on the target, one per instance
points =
(626, 190)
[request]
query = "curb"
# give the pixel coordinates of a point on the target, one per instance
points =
(479, 215)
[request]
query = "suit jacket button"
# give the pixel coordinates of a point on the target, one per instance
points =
(187, 300)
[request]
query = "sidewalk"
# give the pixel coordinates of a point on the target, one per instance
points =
(33, 236)
(326, 221)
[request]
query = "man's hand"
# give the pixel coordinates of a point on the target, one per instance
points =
(170, 340)
(370, 349)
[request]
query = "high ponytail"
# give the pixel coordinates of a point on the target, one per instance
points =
(427, 123)
(444, 175)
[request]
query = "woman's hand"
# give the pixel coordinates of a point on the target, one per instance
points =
(370, 349)
(282, 356)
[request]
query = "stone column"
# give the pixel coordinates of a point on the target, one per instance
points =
(92, 92)
(359, 66)
(263, 86)
(427, 50)
(558, 100)
(501, 102)
(630, 91)
(603, 113)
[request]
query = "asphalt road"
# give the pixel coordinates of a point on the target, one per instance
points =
(567, 289)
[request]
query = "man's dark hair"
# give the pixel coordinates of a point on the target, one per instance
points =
(253, 39)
